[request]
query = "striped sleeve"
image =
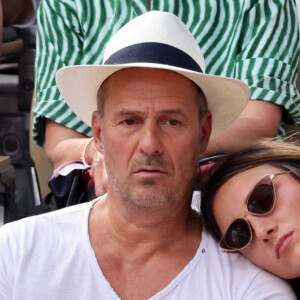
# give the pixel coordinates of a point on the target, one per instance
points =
(59, 43)
(269, 54)
(256, 41)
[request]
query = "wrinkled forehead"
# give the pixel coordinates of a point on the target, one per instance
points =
(137, 84)
(131, 76)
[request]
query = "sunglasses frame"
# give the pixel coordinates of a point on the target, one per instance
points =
(222, 240)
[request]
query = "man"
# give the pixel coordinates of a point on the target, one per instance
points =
(236, 42)
(141, 240)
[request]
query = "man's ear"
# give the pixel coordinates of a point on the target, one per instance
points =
(206, 126)
(97, 130)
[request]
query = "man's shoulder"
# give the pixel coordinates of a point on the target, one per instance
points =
(236, 262)
(47, 221)
(245, 279)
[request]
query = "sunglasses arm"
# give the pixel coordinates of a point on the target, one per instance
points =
(229, 251)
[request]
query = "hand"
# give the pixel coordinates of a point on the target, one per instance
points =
(98, 174)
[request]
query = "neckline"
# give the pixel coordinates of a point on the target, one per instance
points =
(166, 290)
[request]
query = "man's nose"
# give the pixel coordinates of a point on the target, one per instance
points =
(264, 227)
(150, 139)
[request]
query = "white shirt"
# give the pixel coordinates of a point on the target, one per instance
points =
(50, 257)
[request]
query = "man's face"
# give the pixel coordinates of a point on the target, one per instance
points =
(151, 136)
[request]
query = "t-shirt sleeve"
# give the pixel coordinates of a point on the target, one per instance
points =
(5, 291)
(5, 260)
(269, 53)
(59, 43)
(268, 286)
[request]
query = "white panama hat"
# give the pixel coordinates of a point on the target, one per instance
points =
(156, 40)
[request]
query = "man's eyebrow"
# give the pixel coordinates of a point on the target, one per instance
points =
(128, 112)
(173, 111)
(137, 112)
(178, 112)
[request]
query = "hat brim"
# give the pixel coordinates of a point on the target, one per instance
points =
(226, 97)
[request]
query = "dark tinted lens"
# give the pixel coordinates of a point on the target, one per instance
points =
(261, 200)
(237, 236)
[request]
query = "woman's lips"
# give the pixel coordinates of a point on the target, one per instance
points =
(283, 243)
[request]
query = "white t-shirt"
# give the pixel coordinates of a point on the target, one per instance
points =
(50, 257)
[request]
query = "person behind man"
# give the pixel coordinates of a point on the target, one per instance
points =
(156, 110)
(16, 12)
(254, 41)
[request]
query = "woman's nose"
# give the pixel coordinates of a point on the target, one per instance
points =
(264, 227)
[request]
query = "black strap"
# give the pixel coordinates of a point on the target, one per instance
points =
(156, 53)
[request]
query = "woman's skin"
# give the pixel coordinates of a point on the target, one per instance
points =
(230, 203)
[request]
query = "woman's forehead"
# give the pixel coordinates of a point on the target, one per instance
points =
(252, 175)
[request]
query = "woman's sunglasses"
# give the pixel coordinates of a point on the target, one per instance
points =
(260, 202)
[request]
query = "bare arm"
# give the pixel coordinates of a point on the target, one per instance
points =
(63, 144)
(260, 119)
(15, 11)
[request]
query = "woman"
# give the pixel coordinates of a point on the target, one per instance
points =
(251, 204)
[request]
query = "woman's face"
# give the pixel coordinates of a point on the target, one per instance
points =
(268, 231)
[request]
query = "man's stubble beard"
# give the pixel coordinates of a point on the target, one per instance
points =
(153, 195)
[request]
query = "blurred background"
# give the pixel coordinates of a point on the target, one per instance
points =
(18, 184)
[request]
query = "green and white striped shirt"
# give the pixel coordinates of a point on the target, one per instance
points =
(256, 41)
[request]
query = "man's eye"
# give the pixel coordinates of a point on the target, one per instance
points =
(128, 122)
(174, 122)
